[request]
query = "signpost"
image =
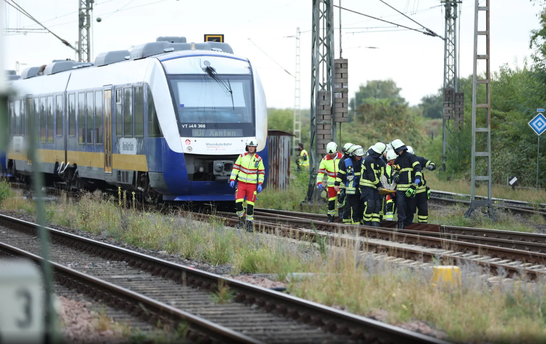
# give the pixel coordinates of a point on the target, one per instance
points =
(538, 124)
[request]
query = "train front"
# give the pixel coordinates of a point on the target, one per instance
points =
(219, 103)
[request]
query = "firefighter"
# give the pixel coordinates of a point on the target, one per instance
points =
(389, 172)
(370, 184)
(344, 208)
(349, 176)
(249, 172)
(408, 179)
(423, 192)
(302, 161)
(329, 166)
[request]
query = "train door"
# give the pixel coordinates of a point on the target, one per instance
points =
(108, 130)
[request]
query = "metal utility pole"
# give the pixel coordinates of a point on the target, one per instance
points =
(322, 130)
(84, 36)
(481, 112)
(297, 113)
(453, 100)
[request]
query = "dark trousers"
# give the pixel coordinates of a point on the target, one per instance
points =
(355, 207)
(405, 206)
(421, 201)
(372, 204)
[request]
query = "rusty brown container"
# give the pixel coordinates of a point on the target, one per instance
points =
(280, 147)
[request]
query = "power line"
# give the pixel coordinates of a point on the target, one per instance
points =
(28, 15)
(271, 58)
(432, 33)
(386, 21)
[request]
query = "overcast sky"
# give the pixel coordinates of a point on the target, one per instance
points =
(258, 29)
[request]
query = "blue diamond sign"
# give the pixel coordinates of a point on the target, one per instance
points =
(538, 124)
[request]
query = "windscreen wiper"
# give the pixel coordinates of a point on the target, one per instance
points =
(214, 75)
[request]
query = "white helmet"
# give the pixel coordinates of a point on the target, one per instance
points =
(410, 150)
(398, 145)
(331, 148)
(346, 148)
(358, 151)
(391, 155)
(252, 142)
(379, 147)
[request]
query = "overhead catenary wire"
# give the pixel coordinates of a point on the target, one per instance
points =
(278, 64)
(425, 28)
(28, 15)
(389, 22)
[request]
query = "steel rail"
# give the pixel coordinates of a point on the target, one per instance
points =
(329, 319)
(515, 262)
(139, 304)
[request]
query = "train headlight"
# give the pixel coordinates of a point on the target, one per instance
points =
(218, 167)
(201, 169)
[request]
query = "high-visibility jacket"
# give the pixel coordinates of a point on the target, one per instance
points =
(410, 169)
(349, 174)
(329, 166)
(304, 158)
(424, 163)
(249, 168)
(372, 170)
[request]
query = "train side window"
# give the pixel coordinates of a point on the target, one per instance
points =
(81, 117)
(23, 117)
(119, 113)
(90, 116)
(72, 115)
(139, 112)
(11, 118)
(99, 123)
(43, 120)
(50, 119)
(17, 117)
(36, 118)
(59, 115)
(128, 112)
(153, 124)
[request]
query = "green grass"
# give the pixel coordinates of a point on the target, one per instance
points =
(474, 312)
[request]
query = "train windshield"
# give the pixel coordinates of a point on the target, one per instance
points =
(212, 96)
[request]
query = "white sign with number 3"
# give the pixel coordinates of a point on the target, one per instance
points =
(21, 303)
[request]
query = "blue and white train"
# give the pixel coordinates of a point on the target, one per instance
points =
(166, 119)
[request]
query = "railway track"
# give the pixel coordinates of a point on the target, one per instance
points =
(160, 291)
(516, 257)
(507, 204)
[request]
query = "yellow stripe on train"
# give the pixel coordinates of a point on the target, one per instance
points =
(88, 159)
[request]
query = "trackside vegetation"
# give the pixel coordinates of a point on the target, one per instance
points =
(344, 278)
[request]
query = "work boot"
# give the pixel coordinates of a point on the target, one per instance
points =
(367, 223)
(241, 223)
(376, 224)
(249, 226)
(400, 224)
(330, 218)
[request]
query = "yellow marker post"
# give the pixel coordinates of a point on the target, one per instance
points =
(447, 275)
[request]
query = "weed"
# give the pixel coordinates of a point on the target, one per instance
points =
(321, 241)
(5, 191)
(223, 294)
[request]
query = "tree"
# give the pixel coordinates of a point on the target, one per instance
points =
(432, 105)
(376, 89)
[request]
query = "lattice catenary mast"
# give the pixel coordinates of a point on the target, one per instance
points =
(84, 33)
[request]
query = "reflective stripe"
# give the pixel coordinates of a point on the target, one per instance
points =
(302, 161)
(248, 168)
(366, 182)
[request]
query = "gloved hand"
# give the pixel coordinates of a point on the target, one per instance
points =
(431, 167)
(396, 178)
(417, 181)
(319, 185)
(411, 191)
(380, 188)
(259, 188)
(232, 184)
(428, 192)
